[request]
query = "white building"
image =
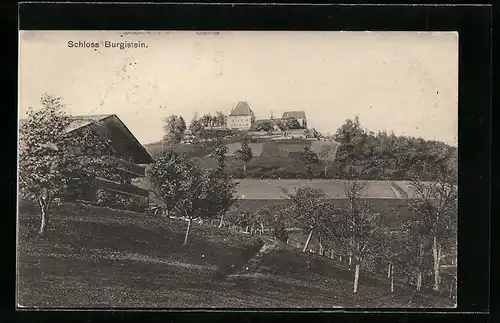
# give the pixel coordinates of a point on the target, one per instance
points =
(241, 117)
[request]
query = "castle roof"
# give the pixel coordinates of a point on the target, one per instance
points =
(241, 109)
(294, 114)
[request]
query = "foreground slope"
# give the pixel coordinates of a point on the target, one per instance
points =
(95, 257)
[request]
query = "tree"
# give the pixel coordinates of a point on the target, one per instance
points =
(220, 119)
(219, 194)
(310, 206)
(356, 226)
(264, 217)
(437, 205)
(208, 121)
(265, 126)
(51, 159)
(393, 248)
(312, 133)
(197, 129)
(291, 124)
(219, 153)
(174, 130)
(244, 154)
(416, 247)
(189, 191)
(166, 176)
(281, 125)
(279, 227)
(308, 158)
(326, 150)
(350, 130)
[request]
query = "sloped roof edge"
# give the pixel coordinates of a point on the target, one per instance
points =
(91, 119)
(241, 109)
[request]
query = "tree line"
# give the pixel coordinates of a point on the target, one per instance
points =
(384, 155)
(175, 127)
(377, 156)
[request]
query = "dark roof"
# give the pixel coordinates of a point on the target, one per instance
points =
(82, 121)
(122, 140)
(241, 109)
(294, 114)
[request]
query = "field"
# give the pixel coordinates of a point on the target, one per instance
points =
(271, 159)
(272, 189)
(256, 148)
(95, 257)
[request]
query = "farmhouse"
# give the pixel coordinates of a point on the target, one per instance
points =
(126, 153)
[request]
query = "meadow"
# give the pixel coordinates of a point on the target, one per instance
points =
(271, 159)
(97, 257)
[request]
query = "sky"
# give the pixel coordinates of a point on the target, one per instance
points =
(406, 82)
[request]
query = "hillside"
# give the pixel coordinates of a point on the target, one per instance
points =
(95, 257)
(271, 159)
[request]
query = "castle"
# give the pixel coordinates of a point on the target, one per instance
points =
(243, 118)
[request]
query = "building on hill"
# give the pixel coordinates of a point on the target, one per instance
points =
(299, 115)
(127, 154)
(241, 117)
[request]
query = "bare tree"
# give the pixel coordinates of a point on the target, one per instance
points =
(309, 207)
(437, 205)
(326, 149)
(357, 225)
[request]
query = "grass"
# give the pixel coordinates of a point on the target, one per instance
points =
(96, 257)
(312, 280)
(99, 257)
(264, 166)
(276, 159)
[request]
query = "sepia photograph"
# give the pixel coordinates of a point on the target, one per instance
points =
(237, 170)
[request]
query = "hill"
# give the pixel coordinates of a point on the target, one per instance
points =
(271, 159)
(96, 257)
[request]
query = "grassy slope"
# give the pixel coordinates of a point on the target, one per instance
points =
(319, 282)
(270, 159)
(99, 257)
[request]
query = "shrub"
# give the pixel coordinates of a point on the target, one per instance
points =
(117, 201)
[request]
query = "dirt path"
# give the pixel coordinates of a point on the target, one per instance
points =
(334, 153)
(399, 193)
(254, 263)
(225, 278)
